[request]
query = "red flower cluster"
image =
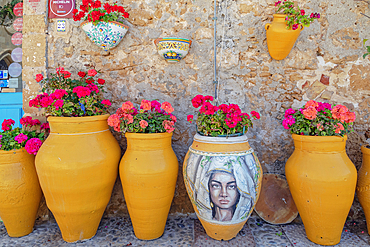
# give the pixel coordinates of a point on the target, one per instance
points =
(150, 117)
(93, 11)
(62, 99)
(82, 91)
(33, 145)
(6, 124)
(218, 120)
(28, 121)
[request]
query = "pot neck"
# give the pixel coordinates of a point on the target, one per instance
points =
(320, 144)
(279, 17)
(78, 125)
(148, 141)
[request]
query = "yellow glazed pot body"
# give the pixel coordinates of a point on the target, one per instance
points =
(77, 167)
(280, 40)
(322, 180)
(223, 180)
(363, 184)
(148, 172)
(20, 192)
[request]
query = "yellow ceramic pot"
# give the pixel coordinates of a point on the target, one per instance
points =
(77, 167)
(322, 180)
(363, 184)
(223, 180)
(148, 172)
(20, 191)
(280, 40)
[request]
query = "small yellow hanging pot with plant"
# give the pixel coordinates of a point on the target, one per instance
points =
(285, 28)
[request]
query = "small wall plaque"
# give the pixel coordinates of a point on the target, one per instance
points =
(61, 25)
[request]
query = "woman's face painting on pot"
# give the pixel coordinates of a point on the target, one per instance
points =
(224, 195)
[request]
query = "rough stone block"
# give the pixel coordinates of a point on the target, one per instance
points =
(204, 33)
(34, 24)
(315, 90)
(325, 79)
(34, 49)
(327, 95)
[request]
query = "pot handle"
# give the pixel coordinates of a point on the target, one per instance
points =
(301, 26)
(267, 26)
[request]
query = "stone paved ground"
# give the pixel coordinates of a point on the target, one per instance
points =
(186, 231)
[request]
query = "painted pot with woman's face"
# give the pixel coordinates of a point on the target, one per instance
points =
(223, 180)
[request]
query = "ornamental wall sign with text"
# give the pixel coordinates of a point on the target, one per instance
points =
(61, 8)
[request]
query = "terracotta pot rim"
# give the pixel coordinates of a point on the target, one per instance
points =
(305, 138)
(147, 135)
(77, 119)
(115, 22)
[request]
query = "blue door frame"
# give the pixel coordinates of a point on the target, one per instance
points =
(11, 107)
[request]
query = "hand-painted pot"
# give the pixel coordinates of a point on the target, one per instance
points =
(148, 172)
(322, 180)
(223, 180)
(106, 35)
(363, 184)
(172, 49)
(77, 167)
(280, 40)
(20, 192)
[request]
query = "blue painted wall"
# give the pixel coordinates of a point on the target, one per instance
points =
(11, 107)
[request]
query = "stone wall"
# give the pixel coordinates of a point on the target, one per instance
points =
(325, 64)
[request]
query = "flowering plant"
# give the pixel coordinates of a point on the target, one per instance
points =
(94, 11)
(367, 48)
(150, 117)
(295, 16)
(220, 120)
(319, 119)
(65, 97)
(29, 137)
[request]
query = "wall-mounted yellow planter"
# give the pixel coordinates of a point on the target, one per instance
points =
(322, 180)
(223, 180)
(20, 192)
(363, 184)
(77, 166)
(148, 172)
(279, 39)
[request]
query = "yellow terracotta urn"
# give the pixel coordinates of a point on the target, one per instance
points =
(322, 180)
(148, 172)
(280, 40)
(363, 184)
(223, 179)
(20, 191)
(77, 167)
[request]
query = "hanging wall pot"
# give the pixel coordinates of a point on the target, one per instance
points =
(172, 49)
(280, 40)
(223, 180)
(106, 35)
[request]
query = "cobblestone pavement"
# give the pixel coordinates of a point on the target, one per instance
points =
(186, 231)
